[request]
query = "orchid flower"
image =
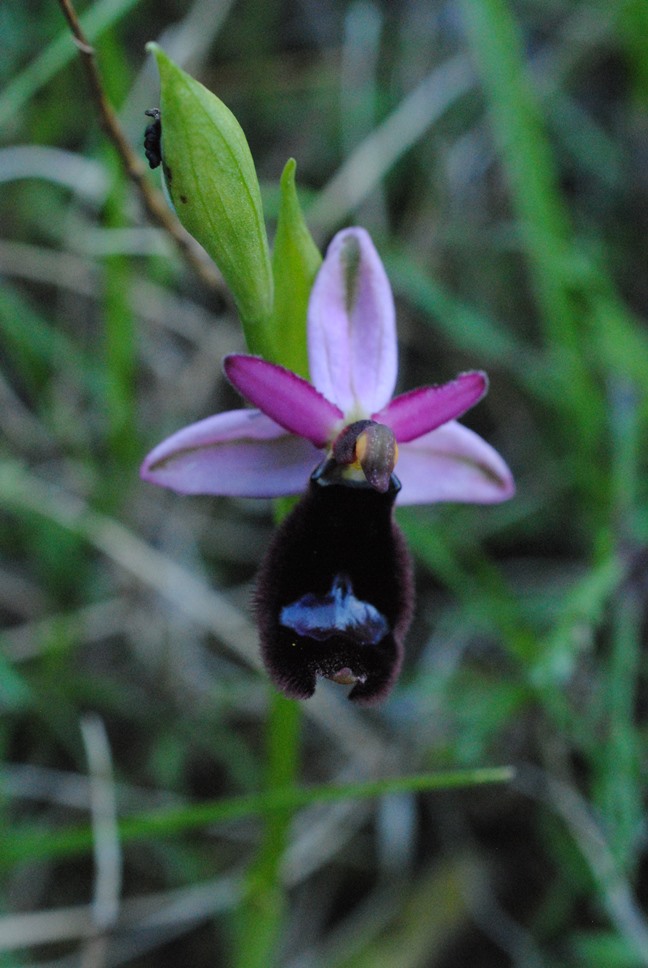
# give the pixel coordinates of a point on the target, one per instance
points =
(334, 592)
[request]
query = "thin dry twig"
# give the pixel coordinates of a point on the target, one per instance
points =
(152, 199)
(143, 913)
(107, 851)
(103, 805)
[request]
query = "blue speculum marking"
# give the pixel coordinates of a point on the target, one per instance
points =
(338, 612)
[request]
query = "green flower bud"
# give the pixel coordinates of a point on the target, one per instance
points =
(213, 184)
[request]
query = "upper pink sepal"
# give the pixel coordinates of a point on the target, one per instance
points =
(420, 411)
(286, 398)
(452, 463)
(241, 453)
(352, 348)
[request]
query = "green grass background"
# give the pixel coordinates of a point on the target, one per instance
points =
(159, 806)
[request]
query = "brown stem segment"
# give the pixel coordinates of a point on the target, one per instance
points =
(152, 199)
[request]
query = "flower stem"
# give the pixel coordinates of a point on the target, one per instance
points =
(261, 914)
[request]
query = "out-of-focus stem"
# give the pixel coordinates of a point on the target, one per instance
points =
(152, 199)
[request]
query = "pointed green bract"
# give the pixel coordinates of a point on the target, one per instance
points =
(214, 187)
(295, 261)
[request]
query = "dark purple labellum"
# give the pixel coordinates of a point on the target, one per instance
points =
(334, 592)
(153, 138)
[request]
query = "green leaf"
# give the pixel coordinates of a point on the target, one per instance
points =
(15, 692)
(496, 41)
(604, 949)
(295, 261)
(32, 842)
(214, 188)
(37, 74)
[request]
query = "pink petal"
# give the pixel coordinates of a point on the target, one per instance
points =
(285, 397)
(418, 412)
(452, 464)
(352, 326)
(239, 453)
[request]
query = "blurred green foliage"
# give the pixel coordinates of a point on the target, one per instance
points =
(497, 153)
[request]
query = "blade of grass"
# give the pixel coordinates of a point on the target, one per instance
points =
(467, 328)
(56, 55)
(497, 46)
(430, 910)
(367, 165)
(621, 788)
(492, 603)
(37, 348)
(28, 844)
(633, 30)
(527, 157)
(584, 605)
(120, 347)
(480, 586)
(27, 494)
(474, 331)
(564, 298)
(619, 767)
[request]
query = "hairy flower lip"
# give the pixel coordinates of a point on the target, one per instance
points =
(334, 594)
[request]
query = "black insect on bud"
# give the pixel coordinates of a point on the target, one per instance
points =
(152, 138)
(334, 592)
